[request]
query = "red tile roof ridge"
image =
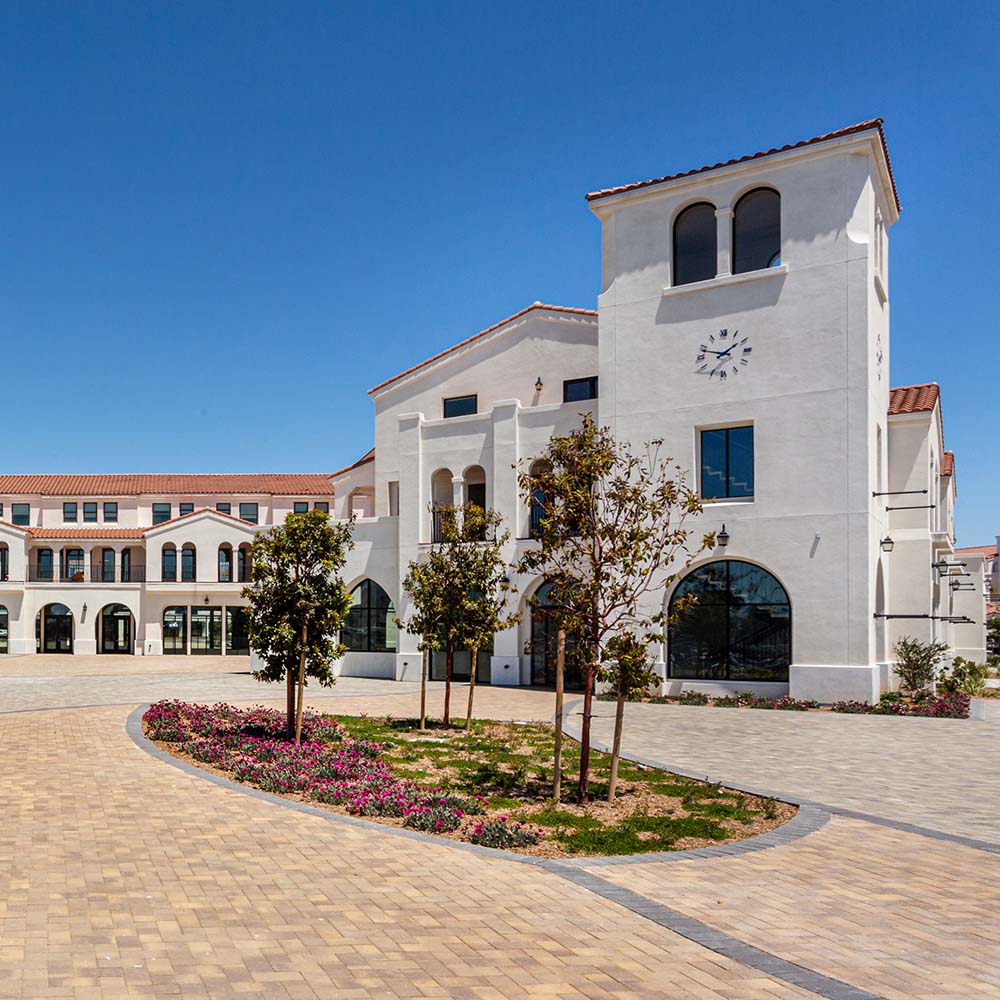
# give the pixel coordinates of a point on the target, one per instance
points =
(871, 123)
(920, 398)
(95, 532)
(948, 463)
(576, 310)
(985, 550)
(368, 456)
(199, 510)
(164, 483)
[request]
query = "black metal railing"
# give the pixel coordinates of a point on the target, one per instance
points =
(439, 518)
(100, 573)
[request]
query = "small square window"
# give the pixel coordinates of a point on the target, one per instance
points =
(224, 508)
(461, 406)
(300, 507)
(69, 511)
(161, 513)
(185, 508)
(323, 505)
(577, 389)
(727, 463)
(111, 511)
(248, 512)
(20, 513)
(90, 512)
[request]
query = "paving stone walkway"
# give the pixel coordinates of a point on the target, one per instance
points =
(124, 876)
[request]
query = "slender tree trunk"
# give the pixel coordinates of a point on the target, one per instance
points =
(290, 703)
(424, 657)
(588, 702)
(560, 673)
(473, 652)
(448, 656)
(616, 746)
(302, 688)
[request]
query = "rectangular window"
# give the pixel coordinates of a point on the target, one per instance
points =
(69, 511)
(168, 564)
(1, 510)
(394, 499)
(224, 508)
(460, 406)
(161, 513)
(300, 507)
(323, 505)
(20, 513)
(248, 512)
(727, 463)
(90, 512)
(577, 389)
(185, 508)
(111, 512)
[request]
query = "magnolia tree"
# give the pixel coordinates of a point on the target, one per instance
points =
(298, 603)
(614, 533)
(458, 591)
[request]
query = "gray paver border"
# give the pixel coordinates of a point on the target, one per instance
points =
(687, 927)
(803, 803)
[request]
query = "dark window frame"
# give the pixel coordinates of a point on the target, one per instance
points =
(90, 512)
(460, 400)
(323, 505)
(683, 259)
(168, 575)
(746, 244)
(20, 514)
(111, 511)
(300, 507)
(189, 564)
(256, 512)
(185, 508)
(224, 508)
(158, 513)
(727, 495)
(70, 511)
(361, 636)
(590, 381)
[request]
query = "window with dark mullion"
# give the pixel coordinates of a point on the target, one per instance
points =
(576, 390)
(161, 513)
(300, 507)
(90, 512)
(461, 406)
(727, 463)
(111, 511)
(69, 511)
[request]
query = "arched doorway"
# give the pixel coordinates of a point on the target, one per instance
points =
(740, 628)
(54, 629)
(544, 645)
(114, 629)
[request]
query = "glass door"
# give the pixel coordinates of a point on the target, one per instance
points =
(237, 643)
(108, 566)
(206, 631)
(116, 630)
(175, 630)
(58, 629)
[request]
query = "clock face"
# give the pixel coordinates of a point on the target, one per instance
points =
(723, 356)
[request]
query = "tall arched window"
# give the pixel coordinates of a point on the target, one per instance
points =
(189, 562)
(757, 231)
(225, 563)
(370, 626)
(696, 244)
(538, 468)
(4, 561)
(168, 563)
(244, 563)
(544, 644)
(43, 564)
(740, 628)
(4, 630)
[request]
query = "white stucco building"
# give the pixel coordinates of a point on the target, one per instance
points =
(743, 317)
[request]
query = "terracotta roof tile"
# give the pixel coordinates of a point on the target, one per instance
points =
(199, 510)
(914, 398)
(984, 550)
(482, 333)
(368, 456)
(873, 123)
(85, 532)
(948, 463)
(156, 484)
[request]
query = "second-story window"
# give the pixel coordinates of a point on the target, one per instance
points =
(161, 513)
(224, 508)
(576, 390)
(69, 511)
(189, 569)
(727, 463)
(185, 508)
(90, 512)
(323, 505)
(20, 513)
(300, 507)
(757, 231)
(111, 511)
(248, 512)
(696, 244)
(461, 406)
(168, 563)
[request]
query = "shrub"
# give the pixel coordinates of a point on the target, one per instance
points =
(916, 662)
(965, 677)
(692, 698)
(500, 833)
(434, 818)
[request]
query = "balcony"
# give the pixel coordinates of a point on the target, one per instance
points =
(78, 574)
(118, 574)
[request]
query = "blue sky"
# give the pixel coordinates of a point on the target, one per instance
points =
(220, 224)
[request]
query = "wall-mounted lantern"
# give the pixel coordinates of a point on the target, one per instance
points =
(887, 543)
(722, 538)
(539, 384)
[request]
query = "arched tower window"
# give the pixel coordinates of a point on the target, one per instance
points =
(695, 244)
(370, 626)
(757, 231)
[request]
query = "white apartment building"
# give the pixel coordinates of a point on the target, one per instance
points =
(743, 317)
(136, 563)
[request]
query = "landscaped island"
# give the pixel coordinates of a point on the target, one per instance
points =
(490, 786)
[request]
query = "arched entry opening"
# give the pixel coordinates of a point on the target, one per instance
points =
(544, 645)
(4, 630)
(442, 498)
(740, 628)
(114, 629)
(54, 629)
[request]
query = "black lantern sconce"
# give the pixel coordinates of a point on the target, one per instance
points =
(887, 543)
(722, 538)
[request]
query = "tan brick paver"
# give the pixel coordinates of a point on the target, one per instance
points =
(122, 877)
